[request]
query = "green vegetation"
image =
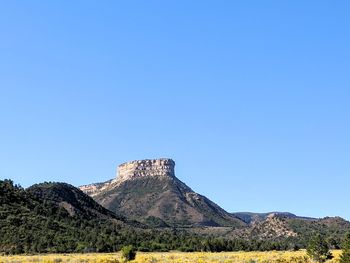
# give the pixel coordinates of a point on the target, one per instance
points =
(172, 202)
(345, 256)
(32, 223)
(58, 218)
(318, 249)
(128, 253)
(332, 229)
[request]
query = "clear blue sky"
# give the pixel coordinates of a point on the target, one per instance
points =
(250, 98)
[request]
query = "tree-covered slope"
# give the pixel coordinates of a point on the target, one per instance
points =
(164, 201)
(35, 220)
(72, 199)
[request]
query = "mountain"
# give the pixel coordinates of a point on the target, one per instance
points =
(250, 217)
(59, 218)
(149, 191)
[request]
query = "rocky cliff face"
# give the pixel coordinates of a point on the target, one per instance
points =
(152, 168)
(93, 189)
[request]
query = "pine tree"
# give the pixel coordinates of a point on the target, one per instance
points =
(345, 257)
(318, 249)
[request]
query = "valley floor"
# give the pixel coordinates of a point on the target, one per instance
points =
(172, 257)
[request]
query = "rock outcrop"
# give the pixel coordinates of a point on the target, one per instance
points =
(150, 167)
(93, 189)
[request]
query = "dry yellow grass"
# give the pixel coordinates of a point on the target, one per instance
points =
(171, 257)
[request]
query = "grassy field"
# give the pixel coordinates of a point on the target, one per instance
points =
(171, 257)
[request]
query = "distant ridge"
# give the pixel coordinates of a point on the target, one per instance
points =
(250, 217)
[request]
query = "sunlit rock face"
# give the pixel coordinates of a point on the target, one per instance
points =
(142, 168)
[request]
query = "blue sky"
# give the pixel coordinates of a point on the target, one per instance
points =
(250, 98)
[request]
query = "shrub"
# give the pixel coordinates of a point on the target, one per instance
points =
(318, 249)
(128, 253)
(345, 256)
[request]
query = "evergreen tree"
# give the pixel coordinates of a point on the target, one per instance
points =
(345, 257)
(318, 249)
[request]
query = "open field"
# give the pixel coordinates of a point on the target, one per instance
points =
(171, 257)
